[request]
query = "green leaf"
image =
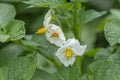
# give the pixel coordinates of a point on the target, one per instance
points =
(42, 75)
(115, 56)
(68, 73)
(3, 36)
(40, 39)
(104, 54)
(109, 53)
(103, 70)
(115, 13)
(45, 47)
(44, 64)
(30, 44)
(112, 32)
(20, 69)
(46, 3)
(15, 29)
(7, 13)
(9, 52)
(88, 58)
(90, 15)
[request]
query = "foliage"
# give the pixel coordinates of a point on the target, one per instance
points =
(27, 55)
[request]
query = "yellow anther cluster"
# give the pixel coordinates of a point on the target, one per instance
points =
(41, 30)
(55, 34)
(69, 53)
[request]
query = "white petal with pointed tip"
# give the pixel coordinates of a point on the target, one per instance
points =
(58, 41)
(47, 18)
(61, 56)
(75, 46)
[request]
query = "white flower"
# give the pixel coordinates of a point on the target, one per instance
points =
(52, 32)
(46, 22)
(55, 35)
(69, 50)
(48, 18)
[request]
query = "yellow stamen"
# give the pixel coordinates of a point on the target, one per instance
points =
(41, 31)
(55, 34)
(69, 53)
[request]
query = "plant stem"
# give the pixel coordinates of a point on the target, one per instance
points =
(32, 49)
(79, 64)
(57, 20)
(76, 26)
(77, 30)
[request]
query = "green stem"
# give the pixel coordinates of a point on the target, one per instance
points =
(77, 30)
(32, 49)
(58, 22)
(76, 26)
(68, 23)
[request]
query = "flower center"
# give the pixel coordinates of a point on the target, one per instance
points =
(55, 34)
(41, 31)
(69, 53)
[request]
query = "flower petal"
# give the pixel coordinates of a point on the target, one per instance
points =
(79, 50)
(75, 45)
(61, 56)
(58, 41)
(47, 18)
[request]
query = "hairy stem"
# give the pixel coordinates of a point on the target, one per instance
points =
(77, 30)
(76, 25)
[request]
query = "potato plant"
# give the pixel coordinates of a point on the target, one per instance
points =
(59, 39)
